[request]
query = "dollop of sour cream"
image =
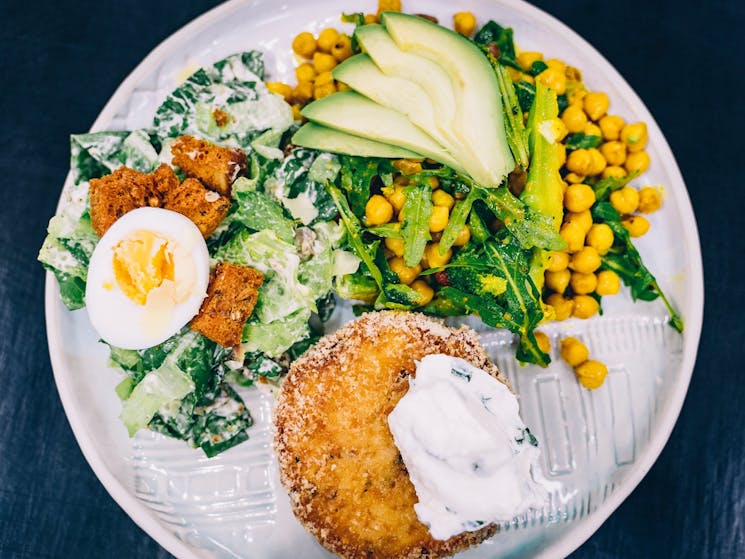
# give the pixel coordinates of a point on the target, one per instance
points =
(469, 455)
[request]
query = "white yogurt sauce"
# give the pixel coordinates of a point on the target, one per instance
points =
(467, 451)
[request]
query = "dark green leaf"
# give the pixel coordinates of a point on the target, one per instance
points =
(415, 229)
(582, 141)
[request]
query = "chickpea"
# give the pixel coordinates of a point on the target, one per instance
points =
(280, 89)
(574, 352)
(553, 78)
(514, 74)
(636, 225)
(574, 118)
(304, 44)
(321, 91)
(583, 218)
(650, 200)
(544, 344)
(600, 237)
(305, 72)
(389, 6)
(402, 180)
(438, 219)
(559, 130)
(637, 161)
(303, 92)
(557, 64)
(634, 136)
(464, 23)
(561, 151)
(585, 306)
(592, 129)
(614, 171)
(526, 58)
(576, 95)
(341, 86)
(579, 197)
(434, 182)
(557, 281)
(342, 49)
(580, 162)
(433, 258)
(371, 18)
(408, 166)
(442, 198)
(557, 261)
(573, 178)
(585, 261)
(463, 237)
(614, 152)
(378, 210)
(608, 283)
(326, 39)
(396, 246)
(573, 235)
(397, 198)
(296, 114)
(323, 62)
(406, 274)
(562, 306)
(598, 162)
(423, 288)
(582, 284)
(324, 78)
(591, 374)
(573, 74)
(610, 127)
(625, 200)
(596, 104)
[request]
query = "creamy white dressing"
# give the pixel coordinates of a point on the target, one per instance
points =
(467, 451)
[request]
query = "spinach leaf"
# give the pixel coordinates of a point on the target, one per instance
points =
(499, 42)
(582, 141)
(525, 92)
(357, 174)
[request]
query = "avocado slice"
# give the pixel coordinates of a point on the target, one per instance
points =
(355, 114)
(317, 136)
(478, 122)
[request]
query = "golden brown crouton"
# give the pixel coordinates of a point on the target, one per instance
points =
(215, 166)
(120, 192)
(164, 179)
(204, 207)
(231, 297)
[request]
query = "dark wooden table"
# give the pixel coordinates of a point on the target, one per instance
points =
(61, 61)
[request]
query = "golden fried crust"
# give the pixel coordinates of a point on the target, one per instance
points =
(204, 207)
(231, 297)
(214, 165)
(345, 477)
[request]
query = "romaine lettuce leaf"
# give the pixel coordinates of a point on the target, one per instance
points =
(274, 338)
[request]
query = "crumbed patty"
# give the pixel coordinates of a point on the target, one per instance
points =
(347, 482)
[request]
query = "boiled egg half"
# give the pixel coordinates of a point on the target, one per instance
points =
(147, 278)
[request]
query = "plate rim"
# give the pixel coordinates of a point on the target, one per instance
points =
(565, 544)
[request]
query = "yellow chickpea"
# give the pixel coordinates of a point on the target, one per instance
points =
(371, 18)
(608, 283)
(582, 284)
(408, 166)
(326, 39)
(553, 78)
(296, 114)
(396, 246)
(341, 86)
(573, 235)
(574, 118)
(576, 95)
(592, 129)
(557, 64)
(561, 151)
(585, 260)
(324, 78)
(526, 58)
(303, 92)
(637, 161)
(305, 72)
(442, 198)
(463, 237)
(596, 104)
(423, 288)
(614, 152)
(397, 198)
(562, 306)
(406, 274)
(389, 6)
(625, 200)
(304, 44)
(557, 281)
(598, 162)
(464, 23)
(342, 48)
(580, 162)
(573, 178)
(433, 257)
(434, 183)
(573, 74)
(611, 126)
(579, 197)
(585, 306)
(634, 136)
(280, 89)
(614, 171)
(557, 261)
(438, 219)
(321, 91)
(600, 237)
(650, 200)
(636, 225)
(591, 374)
(323, 62)
(574, 352)
(583, 218)
(378, 210)
(544, 344)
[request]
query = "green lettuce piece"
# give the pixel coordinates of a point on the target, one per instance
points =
(258, 212)
(97, 154)
(276, 337)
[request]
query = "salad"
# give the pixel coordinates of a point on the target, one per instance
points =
(327, 212)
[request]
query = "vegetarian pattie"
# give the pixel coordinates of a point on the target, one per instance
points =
(346, 479)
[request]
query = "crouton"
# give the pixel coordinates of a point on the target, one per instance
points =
(204, 207)
(231, 297)
(215, 166)
(120, 192)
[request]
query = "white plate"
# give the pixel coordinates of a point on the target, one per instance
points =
(598, 444)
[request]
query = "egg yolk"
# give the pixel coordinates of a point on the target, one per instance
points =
(142, 262)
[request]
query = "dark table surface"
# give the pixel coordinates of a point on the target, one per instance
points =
(60, 63)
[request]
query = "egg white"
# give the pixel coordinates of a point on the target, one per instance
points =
(117, 319)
